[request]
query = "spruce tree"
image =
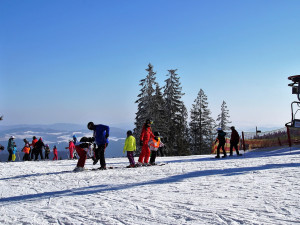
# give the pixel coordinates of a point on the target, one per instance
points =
(223, 117)
(175, 119)
(201, 125)
(145, 101)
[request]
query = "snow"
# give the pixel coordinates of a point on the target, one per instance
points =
(261, 187)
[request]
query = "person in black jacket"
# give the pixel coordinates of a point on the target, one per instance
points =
(222, 140)
(39, 149)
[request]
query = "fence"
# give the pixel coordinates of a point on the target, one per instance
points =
(252, 140)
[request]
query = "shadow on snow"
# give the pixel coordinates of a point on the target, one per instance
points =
(172, 179)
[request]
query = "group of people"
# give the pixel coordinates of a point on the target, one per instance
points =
(32, 150)
(149, 141)
(95, 146)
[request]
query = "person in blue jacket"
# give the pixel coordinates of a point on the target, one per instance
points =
(101, 134)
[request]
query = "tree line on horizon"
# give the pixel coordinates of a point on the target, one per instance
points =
(170, 116)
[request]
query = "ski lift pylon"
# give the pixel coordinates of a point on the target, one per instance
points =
(295, 90)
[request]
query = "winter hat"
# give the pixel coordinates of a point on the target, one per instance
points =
(41, 139)
(129, 132)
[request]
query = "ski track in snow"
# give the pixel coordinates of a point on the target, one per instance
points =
(259, 188)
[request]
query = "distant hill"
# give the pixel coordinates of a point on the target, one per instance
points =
(59, 135)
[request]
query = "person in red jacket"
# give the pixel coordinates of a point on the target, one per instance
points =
(144, 139)
(234, 140)
(55, 153)
(71, 148)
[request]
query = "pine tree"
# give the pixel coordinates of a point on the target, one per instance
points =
(223, 117)
(145, 101)
(159, 115)
(175, 119)
(201, 125)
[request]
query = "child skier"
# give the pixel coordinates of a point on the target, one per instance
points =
(47, 151)
(130, 147)
(26, 150)
(154, 144)
(55, 153)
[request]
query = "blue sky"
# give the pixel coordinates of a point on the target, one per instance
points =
(77, 61)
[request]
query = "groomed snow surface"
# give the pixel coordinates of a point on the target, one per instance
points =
(261, 187)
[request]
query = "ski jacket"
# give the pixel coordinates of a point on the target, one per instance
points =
(47, 149)
(155, 144)
(235, 137)
(39, 145)
(71, 145)
(34, 141)
(55, 151)
(146, 134)
(26, 150)
(221, 137)
(101, 134)
(130, 144)
(11, 144)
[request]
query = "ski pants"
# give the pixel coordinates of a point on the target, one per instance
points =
(55, 157)
(221, 145)
(99, 154)
(37, 153)
(71, 152)
(46, 155)
(145, 154)
(130, 157)
(26, 157)
(82, 156)
(234, 145)
(153, 156)
(10, 155)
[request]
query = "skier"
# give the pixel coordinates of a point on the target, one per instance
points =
(34, 141)
(146, 134)
(154, 144)
(234, 140)
(47, 151)
(25, 142)
(221, 139)
(55, 153)
(130, 147)
(101, 134)
(71, 148)
(10, 147)
(82, 149)
(39, 145)
(26, 150)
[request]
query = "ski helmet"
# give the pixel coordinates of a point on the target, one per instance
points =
(12, 137)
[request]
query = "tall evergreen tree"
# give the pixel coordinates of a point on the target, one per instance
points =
(223, 117)
(145, 101)
(159, 114)
(175, 111)
(201, 125)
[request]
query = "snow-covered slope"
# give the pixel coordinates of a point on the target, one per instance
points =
(259, 188)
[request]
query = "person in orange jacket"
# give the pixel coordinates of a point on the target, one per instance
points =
(146, 134)
(26, 150)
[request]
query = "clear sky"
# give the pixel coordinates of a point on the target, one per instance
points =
(77, 61)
